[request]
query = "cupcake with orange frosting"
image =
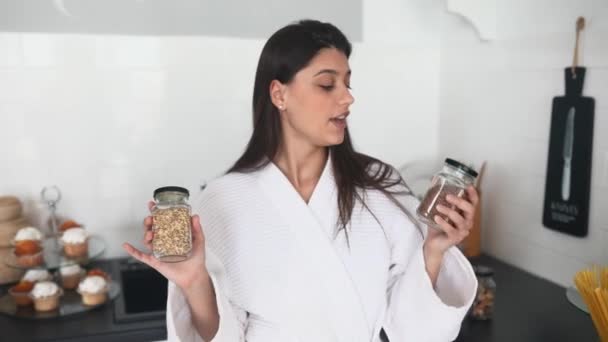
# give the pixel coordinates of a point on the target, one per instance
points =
(21, 293)
(28, 247)
(98, 272)
(68, 225)
(28, 253)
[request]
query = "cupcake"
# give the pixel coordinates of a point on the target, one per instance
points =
(28, 234)
(21, 293)
(98, 272)
(94, 290)
(69, 224)
(34, 276)
(28, 253)
(46, 296)
(75, 242)
(70, 276)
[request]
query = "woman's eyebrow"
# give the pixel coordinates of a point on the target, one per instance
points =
(330, 71)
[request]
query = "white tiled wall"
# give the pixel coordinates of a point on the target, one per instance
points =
(496, 105)
(110, 118)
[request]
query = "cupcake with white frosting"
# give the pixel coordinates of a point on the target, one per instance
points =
(94, 290)
(46, 296)
(28, 234)
(34, 276)
(70, 276)
(75, 242)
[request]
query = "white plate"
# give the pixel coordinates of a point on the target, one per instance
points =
(575, 298)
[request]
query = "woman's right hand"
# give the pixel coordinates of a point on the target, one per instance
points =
(184, 274)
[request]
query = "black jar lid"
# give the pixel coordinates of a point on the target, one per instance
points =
(483, 271)
(461, 166)
(172, 189)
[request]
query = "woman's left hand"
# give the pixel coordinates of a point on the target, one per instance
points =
(460, 223)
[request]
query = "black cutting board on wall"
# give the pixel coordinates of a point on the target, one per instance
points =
(568, 182)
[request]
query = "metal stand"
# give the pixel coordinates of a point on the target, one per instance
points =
(51, 195)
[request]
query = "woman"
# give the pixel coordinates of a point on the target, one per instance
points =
(306, 239)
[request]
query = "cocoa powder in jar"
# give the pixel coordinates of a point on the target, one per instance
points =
(435, 196)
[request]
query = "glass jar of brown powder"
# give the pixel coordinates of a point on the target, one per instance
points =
(453, 179)
(171, 224)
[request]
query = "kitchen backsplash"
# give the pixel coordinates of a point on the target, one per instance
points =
(108, 118)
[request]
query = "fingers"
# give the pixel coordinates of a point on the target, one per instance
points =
(148, 222)
(468, 207)
(452, 214)
(462, 204)
(151, 205)
(148, 237)
(196, 226)
(140, 256)
(197, 232)
(454, 234)
(148, 233)
(473, 195)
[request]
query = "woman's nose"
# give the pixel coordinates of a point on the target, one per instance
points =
(347, 98)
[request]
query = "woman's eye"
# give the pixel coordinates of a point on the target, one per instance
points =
(327, 87)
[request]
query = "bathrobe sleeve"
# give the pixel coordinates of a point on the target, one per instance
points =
(233, 319)
(417, 312)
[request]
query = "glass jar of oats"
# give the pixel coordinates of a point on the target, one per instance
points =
(483, 305)
(171, 224)
(453, 179)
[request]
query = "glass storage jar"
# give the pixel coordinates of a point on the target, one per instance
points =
(483, 305)
(453, 179)
(171, 224)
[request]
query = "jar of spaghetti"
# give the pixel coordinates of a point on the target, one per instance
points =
(453, 179)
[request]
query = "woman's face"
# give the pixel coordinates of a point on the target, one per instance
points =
(316, 102)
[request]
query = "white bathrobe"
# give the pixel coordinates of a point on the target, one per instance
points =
(282, 274)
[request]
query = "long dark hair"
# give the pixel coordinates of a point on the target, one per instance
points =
(286, 52)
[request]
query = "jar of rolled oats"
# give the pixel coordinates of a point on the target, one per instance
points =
(171, 224)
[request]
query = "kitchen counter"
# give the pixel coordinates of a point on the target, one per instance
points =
(527, 309)
(96, 325)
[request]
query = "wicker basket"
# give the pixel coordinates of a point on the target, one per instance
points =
(9, 229)
(10, 208)
(8, 274)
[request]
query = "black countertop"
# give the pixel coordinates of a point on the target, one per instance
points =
(527, 308)
(96, 325)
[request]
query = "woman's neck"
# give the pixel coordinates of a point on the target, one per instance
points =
(303, 167)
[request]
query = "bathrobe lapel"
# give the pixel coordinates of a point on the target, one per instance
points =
(322, 303)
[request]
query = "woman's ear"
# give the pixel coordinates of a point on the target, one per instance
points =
(277, 94)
